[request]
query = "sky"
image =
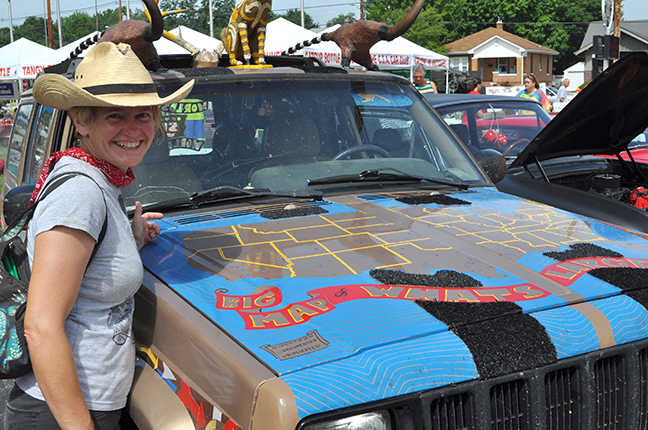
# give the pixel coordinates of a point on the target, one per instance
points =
(321, 10)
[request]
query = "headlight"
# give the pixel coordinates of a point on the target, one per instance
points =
(370, 421)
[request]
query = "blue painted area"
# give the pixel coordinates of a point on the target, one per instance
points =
(570, 331)
(381, 373)
(378, 348)
(628, 319)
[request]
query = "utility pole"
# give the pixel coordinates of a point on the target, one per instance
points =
(96, 16)
(127, 10)
(120, 11)
(58, 15)
(211, 19)
(302, 13)
(361, 9)
(617, 18)
(50, 39)
(10, 22)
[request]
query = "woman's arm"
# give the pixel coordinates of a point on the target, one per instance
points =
(60, 259)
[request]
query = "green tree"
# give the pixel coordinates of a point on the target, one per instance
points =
(427, 31)
(196, 16)
(294, 16)
(341, 19)
(554, 24)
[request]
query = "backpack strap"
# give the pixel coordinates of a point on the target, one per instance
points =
(19, 224)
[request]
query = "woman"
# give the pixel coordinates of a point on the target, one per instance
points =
(531, 91)
(78, 320)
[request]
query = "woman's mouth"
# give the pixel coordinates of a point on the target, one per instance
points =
(128, 145)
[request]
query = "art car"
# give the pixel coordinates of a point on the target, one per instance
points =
(588, 159)
(331, 257)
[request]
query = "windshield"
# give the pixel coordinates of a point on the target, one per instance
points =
(507, 127)
(288, 135)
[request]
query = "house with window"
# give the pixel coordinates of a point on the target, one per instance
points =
(633, 36)
(502, 58)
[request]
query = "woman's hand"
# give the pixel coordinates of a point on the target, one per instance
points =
(143, 230)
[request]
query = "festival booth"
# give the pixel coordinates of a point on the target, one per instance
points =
(399, 53)
(282, 34)
(12, 56)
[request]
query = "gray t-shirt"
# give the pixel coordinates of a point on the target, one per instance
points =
(99, 327)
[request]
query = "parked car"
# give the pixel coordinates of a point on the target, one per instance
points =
(332, 257)
(565, 164)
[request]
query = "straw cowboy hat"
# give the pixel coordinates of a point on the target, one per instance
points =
(109, 75)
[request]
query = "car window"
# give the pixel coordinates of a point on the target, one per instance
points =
(281, 135)
(503, 126)
(36, 150)
(17, 141)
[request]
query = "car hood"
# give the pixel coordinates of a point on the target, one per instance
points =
(358, 298)
(602, 119)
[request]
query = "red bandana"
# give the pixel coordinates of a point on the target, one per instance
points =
(114, 175)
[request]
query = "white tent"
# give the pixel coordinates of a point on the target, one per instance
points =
(399, 53)
(31, 68)
(18, 52)
(282, 34)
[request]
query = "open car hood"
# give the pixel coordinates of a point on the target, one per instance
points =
(602, 119)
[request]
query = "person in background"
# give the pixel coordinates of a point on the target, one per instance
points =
(418, 72)
(562, 91)
(476, 86)
(531, 91)
(79, 315)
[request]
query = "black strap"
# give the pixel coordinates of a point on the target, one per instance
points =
(20, 222)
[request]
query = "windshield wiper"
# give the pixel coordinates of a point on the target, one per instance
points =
(231, 193)
(386, 174)
(226, 192)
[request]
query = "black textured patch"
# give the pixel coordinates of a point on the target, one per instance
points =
(632, 281)
(582, 250)
(333, 70)
(442, 278)
(204, 71)
(439, 199)
(500, 337)
(291, 213)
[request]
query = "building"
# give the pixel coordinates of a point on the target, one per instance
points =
(502, 57)
(633, 37)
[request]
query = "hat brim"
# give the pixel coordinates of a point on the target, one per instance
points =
(56, 91)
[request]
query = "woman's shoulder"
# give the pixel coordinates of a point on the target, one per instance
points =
(85, 173)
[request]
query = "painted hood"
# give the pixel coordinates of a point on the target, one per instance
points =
(359, 298)
(602, 119)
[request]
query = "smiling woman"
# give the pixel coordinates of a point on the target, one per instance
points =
(84, 255)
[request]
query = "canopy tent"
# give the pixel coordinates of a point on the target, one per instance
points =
(399, 53)
(18, 52)
(282, 34)
(31, 68)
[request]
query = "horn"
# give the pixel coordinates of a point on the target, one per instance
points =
(404, 24)
(154, 31)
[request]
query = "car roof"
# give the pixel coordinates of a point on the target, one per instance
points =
(443, 100)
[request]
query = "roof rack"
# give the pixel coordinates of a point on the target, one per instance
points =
(67, 67)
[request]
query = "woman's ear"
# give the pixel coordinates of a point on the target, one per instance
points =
(81, 127)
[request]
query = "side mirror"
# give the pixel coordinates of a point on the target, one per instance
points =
(15, 202)
(493, 163)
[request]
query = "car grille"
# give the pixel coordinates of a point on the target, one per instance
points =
(601, 390)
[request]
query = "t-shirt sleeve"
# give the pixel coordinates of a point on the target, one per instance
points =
(78, 203)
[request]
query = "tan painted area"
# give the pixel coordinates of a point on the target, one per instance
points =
(153, 404)
(198, 351)
(275, 407)
(600, 322)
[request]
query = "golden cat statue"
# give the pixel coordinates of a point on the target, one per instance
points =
(244, 37)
